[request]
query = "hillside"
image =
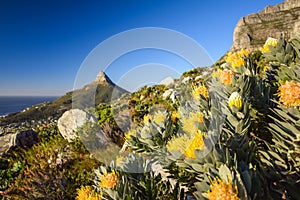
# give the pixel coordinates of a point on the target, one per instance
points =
(101, 90)
(228, 131)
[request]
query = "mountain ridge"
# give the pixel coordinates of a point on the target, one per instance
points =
(101, 90)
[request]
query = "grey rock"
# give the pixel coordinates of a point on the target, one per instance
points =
(71, 120)
(281, 20)
(25, 139)
(167, 93)
(22, 139)
(167, 81)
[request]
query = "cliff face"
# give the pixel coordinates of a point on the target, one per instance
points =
(282, 20)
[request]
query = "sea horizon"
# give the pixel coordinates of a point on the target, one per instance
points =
(12, 103)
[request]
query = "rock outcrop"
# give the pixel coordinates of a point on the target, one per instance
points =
(71, 120)
(281, 20)
(102, 78)
(21, 139)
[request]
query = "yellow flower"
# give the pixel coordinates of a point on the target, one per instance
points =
(175, 115)
(200, 90)
(147, 119)
(159, 117)
(178, 143)
(270, 42)
(236, 100)
(196, 143)
(189, 124)
(130, 133)
(109, 180)
(120, 161)
(236, 59)
(289, 94)
(222, 190)
(226, 76)
(87, 193)
(187, 144)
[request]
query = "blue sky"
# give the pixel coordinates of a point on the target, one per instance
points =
(44, 42)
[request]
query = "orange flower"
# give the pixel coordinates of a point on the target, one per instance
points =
(197, 143)
(87, 193)
(226, 76)
(289, 94)
(200, 90)
(222, 190)
(236, 59)
(109, 180)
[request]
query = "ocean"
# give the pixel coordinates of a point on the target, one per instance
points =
(12, 104)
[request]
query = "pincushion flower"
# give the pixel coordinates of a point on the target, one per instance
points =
(109, 180)
(200, 90)
(222, 190)
(237, 59)
(270, 42)
(236, 100)
(196, 143)
(130, 133)
(190, 123)
(187, 145)
(147, 119)
(87, 193)
(159, 117)
(179, 143)
(225, 76)
(175, 116)
(289, 94)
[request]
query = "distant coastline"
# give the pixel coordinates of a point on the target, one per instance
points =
(13, 104)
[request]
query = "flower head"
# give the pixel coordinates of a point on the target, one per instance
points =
(236, 59)
(174, 116)
(236, 100)
(196, 143)
(159, 117)
(187, 144)
(200, 90)
(270, 42)
(147, 119)
(222, 190)
(87, 193)
(109, 180)
(178, 143)
(225, 76)
(130, 133)
(289, 94)
(190, 123)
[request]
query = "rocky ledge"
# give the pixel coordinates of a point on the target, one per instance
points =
(281, 20)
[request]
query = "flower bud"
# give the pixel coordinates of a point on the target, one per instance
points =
(236, 100)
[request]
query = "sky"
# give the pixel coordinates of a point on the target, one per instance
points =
(45, 44)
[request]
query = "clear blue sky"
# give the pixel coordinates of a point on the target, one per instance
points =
(44, 42)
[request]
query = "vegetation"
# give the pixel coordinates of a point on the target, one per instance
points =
(232, 134)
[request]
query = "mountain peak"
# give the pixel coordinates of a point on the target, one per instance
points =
(102, 78)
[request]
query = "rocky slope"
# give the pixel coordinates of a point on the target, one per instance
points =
(281, 20)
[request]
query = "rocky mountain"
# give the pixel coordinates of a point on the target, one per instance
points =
(101, 90)
(281, 20)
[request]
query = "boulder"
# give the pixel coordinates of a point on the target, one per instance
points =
(185, 80)
(167, 93)
(25, 139)
(71, 120)
(167, 81)
(22, 139)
